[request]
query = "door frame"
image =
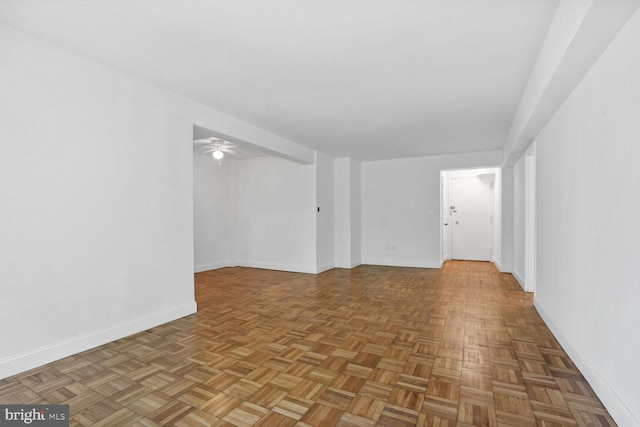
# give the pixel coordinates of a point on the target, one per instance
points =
(445, 218)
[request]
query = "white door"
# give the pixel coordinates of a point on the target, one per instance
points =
(470, 208)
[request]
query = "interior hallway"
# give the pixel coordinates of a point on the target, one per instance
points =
(369, 346)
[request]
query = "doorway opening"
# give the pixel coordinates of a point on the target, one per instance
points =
(469, 200)
(215, 229)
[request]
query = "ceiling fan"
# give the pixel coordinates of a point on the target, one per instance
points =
(215, 146)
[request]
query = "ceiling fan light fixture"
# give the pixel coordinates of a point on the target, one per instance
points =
(218, 154)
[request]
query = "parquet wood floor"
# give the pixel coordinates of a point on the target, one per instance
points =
(461, 346)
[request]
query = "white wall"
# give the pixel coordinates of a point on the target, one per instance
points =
(325, 201)
(348, 246)
(503, 256)
(401, 204)
(496, 243)
(262, 213)
(96, 222)
(445, 217)
(342, 206)
(588, 286)
(250, 213)
(214, 213)
(355, 171)
(276, 214)
(519, 220)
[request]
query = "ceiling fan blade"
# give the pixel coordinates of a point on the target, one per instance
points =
(208, 141)
(216, 147)
(202, 150)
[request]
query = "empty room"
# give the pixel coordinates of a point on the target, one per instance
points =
(319, 213)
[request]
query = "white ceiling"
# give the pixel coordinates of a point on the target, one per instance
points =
(370, 79)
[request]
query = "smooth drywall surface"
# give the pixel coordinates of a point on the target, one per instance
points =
(401, 207)
(96, 218)
(276, 214)
(325, 211)
(504, 262)
(355, 171)
(588, 286)
(497, 218)
(214, 212)
(342, 213)
(96, 172)
(519, 220)
(348, 246)
(445, 218)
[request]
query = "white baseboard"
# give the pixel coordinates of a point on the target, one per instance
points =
(404, 263)
(323, 268)
(279, 266)
(519, 279)
(16, 364)
(616, 407)
(347, 264)
(212, 266)
(502, 268)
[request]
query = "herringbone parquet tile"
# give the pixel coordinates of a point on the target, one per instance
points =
(460, 346)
